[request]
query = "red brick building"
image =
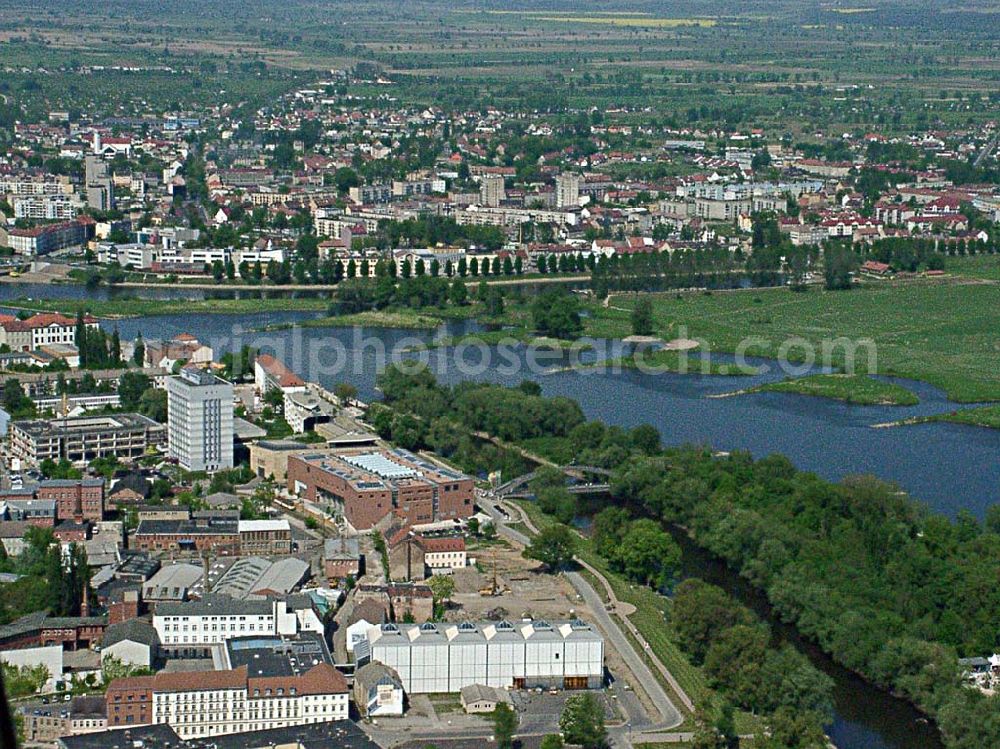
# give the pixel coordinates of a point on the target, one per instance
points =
(33, 630)
(74, 498)
(366, 486)
(124, 607)
(129, 701)
(69, 532)
(203, 531)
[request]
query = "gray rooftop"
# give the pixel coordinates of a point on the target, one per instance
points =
(215, 605)
(429, 633)
(278, 656)
(342, 734)
(251, 574)
(341, 548)
(134, 630)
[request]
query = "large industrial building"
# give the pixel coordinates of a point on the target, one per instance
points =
(366, 486)
(434, 658)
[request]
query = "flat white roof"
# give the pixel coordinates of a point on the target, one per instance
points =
(252, 526)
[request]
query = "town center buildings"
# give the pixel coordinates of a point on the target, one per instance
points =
(220, 702)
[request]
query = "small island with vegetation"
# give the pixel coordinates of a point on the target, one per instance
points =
(859, 389)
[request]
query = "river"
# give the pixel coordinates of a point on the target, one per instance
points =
(949, 467)
(865, 717)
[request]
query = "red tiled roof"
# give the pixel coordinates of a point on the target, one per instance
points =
(321, 679)
(41, 320)
(183, 682)
(277, 369)
(442, 543)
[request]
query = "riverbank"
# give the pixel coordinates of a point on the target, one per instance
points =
(208, 283)
(671, 360)
(125, 308)
(400, 319)
(987, 417)
(859, 390)
(940, 333)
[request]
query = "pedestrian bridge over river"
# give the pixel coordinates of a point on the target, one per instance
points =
(519, 488)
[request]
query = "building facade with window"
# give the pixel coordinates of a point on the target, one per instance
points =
(200, 420)
(81, 439)
(213, 703)
(190, 629)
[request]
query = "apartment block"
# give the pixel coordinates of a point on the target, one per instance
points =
(200, 420)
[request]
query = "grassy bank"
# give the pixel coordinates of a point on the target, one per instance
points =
(941, 333)
(987, 416)
(682, 362)
(856, 389)
(118, 308)
(405, 319)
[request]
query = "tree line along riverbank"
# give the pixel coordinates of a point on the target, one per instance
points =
(889, 590)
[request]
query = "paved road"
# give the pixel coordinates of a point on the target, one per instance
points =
(670, 716)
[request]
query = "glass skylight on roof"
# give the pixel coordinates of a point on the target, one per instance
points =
(380, 465)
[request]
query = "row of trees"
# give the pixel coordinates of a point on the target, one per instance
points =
(97, 349)
(735, 651)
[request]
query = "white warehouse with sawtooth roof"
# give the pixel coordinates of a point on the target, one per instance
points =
(442, 657)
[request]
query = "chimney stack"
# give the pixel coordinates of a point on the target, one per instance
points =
(78, 507)
(206, 559)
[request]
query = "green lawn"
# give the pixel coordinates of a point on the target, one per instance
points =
(975, 266)
(143, 307)
(945, 334)
(857, 389)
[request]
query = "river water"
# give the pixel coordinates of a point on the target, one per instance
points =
(949, 467)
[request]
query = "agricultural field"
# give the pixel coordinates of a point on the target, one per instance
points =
(779, 65)
(947, 334)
